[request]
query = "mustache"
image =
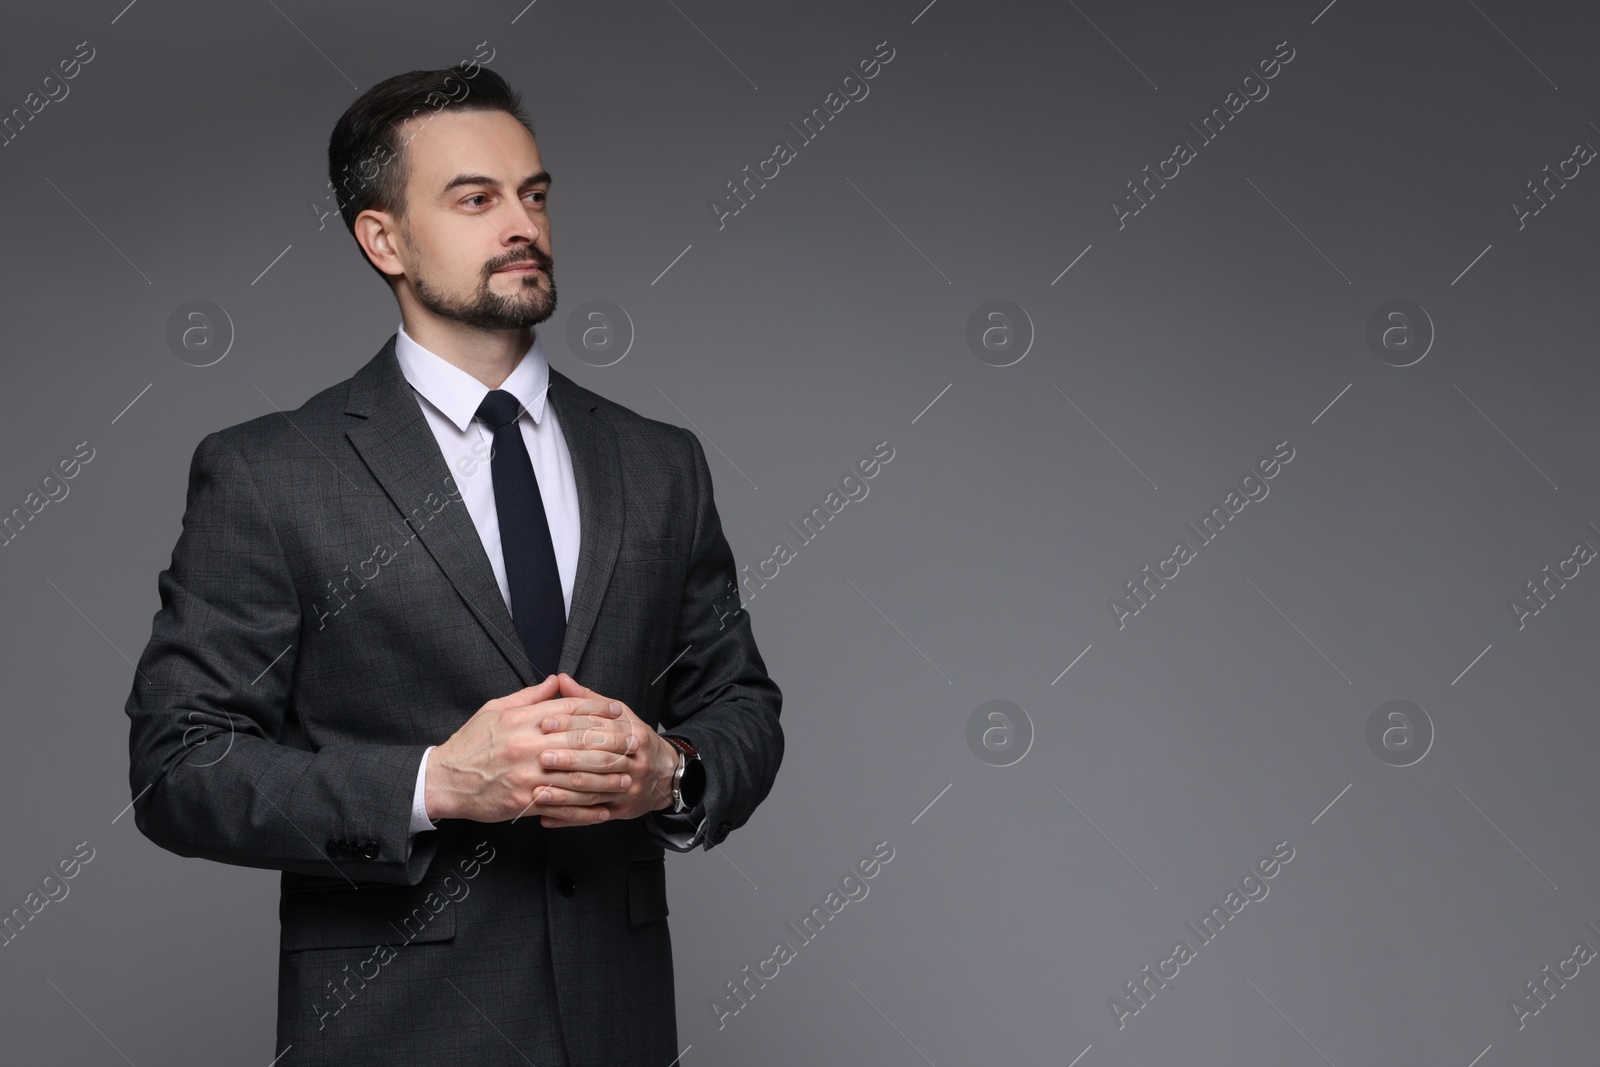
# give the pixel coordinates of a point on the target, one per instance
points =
(532, 255)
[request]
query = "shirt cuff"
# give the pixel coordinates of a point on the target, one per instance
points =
(419, 798)
(677, 831)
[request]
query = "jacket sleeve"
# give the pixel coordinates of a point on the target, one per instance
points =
(217, 766)
(718, 693)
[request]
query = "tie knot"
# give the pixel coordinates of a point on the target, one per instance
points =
(499, 408)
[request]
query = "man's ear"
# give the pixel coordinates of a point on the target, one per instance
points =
(378, 233)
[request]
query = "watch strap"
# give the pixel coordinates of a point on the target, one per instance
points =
(686, 753)
(682, 745)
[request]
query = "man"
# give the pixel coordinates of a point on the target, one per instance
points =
(420, 637)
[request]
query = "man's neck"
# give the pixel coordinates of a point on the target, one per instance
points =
(488, 355)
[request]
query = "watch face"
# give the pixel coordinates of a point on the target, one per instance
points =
(693, 785)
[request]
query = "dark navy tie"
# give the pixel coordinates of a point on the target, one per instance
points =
(537, 606)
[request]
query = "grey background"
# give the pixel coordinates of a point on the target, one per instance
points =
(1227, 316)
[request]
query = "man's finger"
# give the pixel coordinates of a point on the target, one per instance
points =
(532, 694)
(596, 705)
(576, 760)
(606, 781)
(592, 738)
(550, 797)
(577, 816)
(563, 721)
(581, 725)
(570, 686)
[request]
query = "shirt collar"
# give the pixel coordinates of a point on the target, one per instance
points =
(457, 394)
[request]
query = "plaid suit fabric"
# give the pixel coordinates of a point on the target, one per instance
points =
(328, 613)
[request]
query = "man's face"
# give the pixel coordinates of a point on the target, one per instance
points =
(475, 237)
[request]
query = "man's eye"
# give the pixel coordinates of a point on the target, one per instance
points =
(475, 196)
(539, 198)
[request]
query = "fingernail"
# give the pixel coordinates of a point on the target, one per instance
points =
(614, 707)
(626, 781)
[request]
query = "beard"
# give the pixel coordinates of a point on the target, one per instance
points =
(486, 309)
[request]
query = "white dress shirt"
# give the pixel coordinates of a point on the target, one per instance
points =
(449, 398)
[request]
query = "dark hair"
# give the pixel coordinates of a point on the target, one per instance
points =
(366, 155)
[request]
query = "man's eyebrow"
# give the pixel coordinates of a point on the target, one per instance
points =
(494, 183)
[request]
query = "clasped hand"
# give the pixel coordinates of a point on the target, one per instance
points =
(558, 749)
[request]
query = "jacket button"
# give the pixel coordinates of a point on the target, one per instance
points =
(371, 851)
(566, 885)
(723, 830)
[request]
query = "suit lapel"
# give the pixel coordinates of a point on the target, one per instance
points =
(399, 449)
(597, 470)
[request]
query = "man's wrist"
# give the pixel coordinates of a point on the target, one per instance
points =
(434, 799)
(672, 756)
(687, 786)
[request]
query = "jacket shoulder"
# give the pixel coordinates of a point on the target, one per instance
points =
(288, 432)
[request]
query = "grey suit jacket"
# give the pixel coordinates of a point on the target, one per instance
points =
(329, 612)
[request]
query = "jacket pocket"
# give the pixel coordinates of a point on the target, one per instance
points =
(647, 891)
(393, 915)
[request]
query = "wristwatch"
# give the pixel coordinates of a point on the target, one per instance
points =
(689, 780)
